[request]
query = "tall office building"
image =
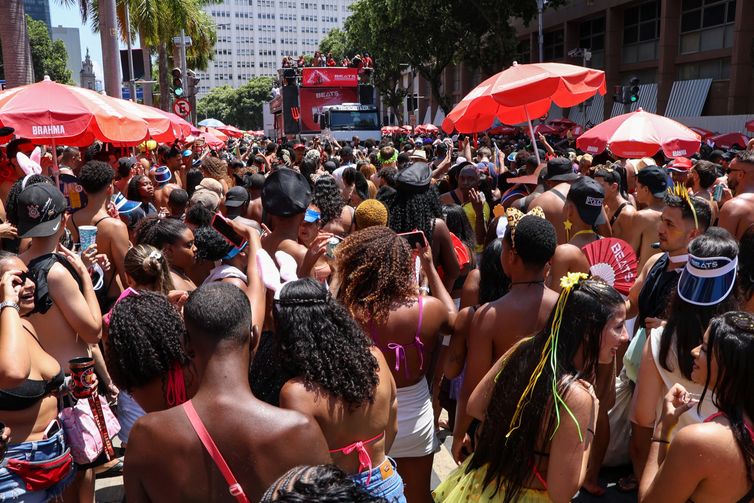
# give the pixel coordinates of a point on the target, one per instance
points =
(70, 37)
(254, 35)
(39, 10)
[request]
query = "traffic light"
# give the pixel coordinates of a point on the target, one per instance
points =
(620, 94)
(177, 83)
(191, 83)
(633, 91)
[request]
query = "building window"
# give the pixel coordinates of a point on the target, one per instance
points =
(716, 69)
(592, 37)
(707, 25)
(553, 45)
(641, 32)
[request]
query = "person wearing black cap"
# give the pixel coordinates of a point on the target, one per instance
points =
(236, 202)
(651, 184)
(583, 212)
(557, 176)
(67, 316)
(416, 206)
(737, 215)
(285, 196)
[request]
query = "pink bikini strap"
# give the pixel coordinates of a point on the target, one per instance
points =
(364, 460)
(417, 340)
(234, 487)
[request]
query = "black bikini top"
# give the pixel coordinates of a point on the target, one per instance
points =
(29, 392)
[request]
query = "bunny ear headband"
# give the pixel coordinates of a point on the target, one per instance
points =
(273, 278)
(29, 165)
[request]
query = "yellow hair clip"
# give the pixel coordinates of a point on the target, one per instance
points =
(681, 191)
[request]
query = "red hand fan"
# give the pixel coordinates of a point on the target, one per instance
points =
(614, 261)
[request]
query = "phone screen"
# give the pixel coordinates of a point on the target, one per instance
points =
(221, 225)
(414, 238)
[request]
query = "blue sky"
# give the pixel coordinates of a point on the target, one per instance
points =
(69, 16)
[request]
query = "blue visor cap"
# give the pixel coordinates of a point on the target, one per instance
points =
(706, 281)
(123, 205)
(311, 216)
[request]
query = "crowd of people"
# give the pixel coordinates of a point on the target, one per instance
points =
(288, 321)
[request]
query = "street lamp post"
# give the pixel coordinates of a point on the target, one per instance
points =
(541, 36)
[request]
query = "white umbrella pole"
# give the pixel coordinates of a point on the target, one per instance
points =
(533, 139)
(56, 171)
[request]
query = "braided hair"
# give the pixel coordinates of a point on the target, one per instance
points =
(320, 342)
(376, 271)
(144, 341)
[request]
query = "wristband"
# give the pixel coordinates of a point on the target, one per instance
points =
(9, 303)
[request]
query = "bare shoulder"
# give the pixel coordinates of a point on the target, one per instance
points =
(581, 397)
(567, 251)
(113, 226)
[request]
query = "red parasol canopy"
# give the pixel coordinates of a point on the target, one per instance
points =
(640, 134)
(750, 126)
(47, 111)
(181, 127)
(232, 131)
(521, 92)
(727, 140)
(547, 129)
(217, 134)
(426, 128)
(504, 130)
(704, 133)
(212, 140)
(563, 123)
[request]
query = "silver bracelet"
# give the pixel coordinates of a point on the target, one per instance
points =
(9, 303)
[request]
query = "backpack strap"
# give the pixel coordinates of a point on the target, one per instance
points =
(234, 487)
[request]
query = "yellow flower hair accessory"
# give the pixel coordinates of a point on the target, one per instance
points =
(515, 215)
(550, 355)
(681, 191)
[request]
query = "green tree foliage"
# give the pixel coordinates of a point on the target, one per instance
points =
(335, 42)
(240, 107)
(429, 35)
(48, 57)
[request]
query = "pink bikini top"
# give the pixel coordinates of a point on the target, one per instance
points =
(718, 414)
(400, 349)
(364, 460)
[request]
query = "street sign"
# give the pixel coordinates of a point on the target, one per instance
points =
(126, 93)
(182, 107)
(177, 41)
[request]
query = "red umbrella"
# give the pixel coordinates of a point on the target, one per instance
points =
(504, 130)
(727, 140)
(704, 133)
(212, 140)
(232, 131)
(47, 112)
(521, 92)
(563, 122)
(160, 126)
(181, 127)
(546, 129)
(640, 134)
(217, 134)
(750, 126)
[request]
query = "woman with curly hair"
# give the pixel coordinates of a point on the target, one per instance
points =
(336, 216)
(416, 206)
(145, 354)
(342, 380)
(317, 483)
(173, 238)
(538, 405)
(712, 461)
(213, 167)
(376, 278)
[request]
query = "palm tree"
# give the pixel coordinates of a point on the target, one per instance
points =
(17, 65)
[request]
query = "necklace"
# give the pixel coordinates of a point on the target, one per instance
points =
(585, 231)
(537, 282)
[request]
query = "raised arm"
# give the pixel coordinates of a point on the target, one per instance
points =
(15, 361)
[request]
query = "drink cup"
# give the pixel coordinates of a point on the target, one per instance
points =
(87, 236)
(83, 377)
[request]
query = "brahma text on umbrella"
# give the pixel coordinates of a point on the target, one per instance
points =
(52, 130)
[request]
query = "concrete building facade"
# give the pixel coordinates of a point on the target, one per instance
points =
(692, 57)
(70, 37)
(254, 35)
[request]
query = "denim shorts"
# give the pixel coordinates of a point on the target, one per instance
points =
(385, 482)
(12, 488)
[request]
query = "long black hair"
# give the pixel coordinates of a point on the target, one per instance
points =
(408, 211)
(686, 321)
(458, 223)
(493, 283)
(319, 342)
(731, 343)
(590, 304)
(159, 232)
(746, 264)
